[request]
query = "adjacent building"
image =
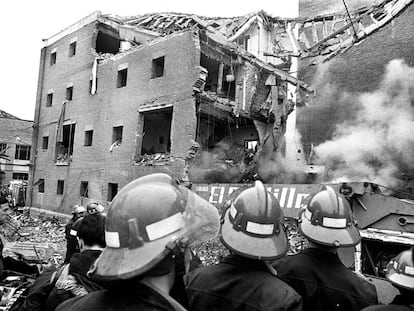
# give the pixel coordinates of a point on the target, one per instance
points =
(15, 148)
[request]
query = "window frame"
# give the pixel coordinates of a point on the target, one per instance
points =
(18, 152)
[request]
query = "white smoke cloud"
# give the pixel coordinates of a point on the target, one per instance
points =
(377, 144)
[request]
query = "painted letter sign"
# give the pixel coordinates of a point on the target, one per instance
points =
(290, 196)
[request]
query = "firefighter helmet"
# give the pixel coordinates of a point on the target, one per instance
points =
(78, 209)
(94, 208)
(147, 220)
(252, 225)
(400, 270)
(327, 219)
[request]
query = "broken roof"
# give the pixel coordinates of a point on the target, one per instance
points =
(166, 23)
(6, 115)
(221, 31)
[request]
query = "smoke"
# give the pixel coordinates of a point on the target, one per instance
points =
(225, 163)
(376, 140)
(277, 169)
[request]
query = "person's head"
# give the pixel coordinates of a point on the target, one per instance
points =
(4, 210)
(326, 219)
(252, 225)
(149, 220)
(78, 211)
(91, 231)
(400, 271)
(94, 208)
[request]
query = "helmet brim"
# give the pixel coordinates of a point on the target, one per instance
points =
(124, 263)
(400, 280)
(329, 236)
(261, 248)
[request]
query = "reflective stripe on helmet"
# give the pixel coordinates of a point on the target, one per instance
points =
(233, 211)
(334, 222)
(73, 232)
(409, 270)
(337, 223)
(164, 227)
(255, 228)
(112, 239)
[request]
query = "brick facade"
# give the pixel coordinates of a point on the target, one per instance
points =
(99, 164)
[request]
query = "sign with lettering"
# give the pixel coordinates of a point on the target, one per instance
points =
(290, 196)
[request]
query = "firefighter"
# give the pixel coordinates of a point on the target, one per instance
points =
(400, 272)
(72, 280)
(71, 241)
(151, 222)
(252, 230)
(317, 273)
(94, 208)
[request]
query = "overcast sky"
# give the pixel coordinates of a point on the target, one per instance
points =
(25, 23)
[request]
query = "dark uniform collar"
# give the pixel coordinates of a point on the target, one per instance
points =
(321, 254)
(244, 262)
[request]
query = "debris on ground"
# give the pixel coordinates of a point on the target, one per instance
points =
(39, 238)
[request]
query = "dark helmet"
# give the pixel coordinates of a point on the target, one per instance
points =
(327, 219)
(146, 221)
(252, 225)
(400, 270)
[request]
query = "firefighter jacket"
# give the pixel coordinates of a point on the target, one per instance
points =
(125, 296)
(324, 282)
(72, 246)
(239, 283)
(399, 303)
(73, 281)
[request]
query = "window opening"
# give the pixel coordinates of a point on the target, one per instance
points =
(122, 78)
(72, 49)
(117, 134)
(20, 176)
(52, 58)
(49, 100)
(88, 138)
(251, 145)
(69, 93)
(22, 152)
(45, 142)
(64, 144)
(106, 43)
(157, 131)
(157, 67)
(41, 186)
(84, 189)
(3, 147)
(112, 191)
(227, 88)
(60, 186)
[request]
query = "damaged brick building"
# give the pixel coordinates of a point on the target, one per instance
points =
(122, 97)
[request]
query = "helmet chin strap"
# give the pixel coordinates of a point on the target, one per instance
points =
(270, 267)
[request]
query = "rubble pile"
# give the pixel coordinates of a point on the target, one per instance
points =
(43, 238)
(154, 159)
(38, 238)
(212, 251)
